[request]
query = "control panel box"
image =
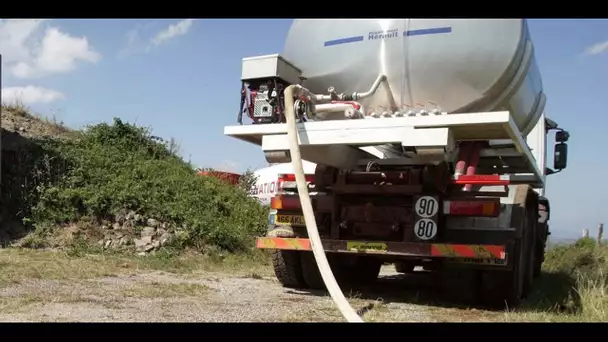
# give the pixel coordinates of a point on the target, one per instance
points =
(268, 67)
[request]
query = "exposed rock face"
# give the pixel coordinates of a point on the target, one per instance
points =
(132, 229)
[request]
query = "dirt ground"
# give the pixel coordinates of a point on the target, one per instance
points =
(52, 286)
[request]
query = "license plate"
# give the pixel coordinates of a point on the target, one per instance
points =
(289, 220)
(367, 247)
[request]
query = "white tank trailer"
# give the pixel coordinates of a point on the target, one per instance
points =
(429, 138)
(456, 65)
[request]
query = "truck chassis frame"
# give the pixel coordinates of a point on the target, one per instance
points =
(504, 169)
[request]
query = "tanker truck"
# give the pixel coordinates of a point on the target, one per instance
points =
(430, 143)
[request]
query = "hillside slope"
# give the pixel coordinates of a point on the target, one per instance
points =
(117, 184)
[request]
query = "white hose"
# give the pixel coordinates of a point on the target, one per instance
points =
(309, 216)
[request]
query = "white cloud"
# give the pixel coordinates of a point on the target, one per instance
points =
(134, 42)
(132, 36)
(30, 95)
(139, 39)
(29, 52)
(15, 35)
(598, 48)
(172, 31)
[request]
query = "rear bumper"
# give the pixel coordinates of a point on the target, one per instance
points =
(405, 249)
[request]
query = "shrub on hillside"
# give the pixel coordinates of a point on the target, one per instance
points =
(581, 258)
(247, 180)
(574, 281)
(119, 167)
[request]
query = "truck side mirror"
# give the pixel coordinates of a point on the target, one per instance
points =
(560, 156)
(562, 136)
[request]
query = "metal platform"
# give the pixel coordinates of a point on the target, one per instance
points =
(344, 143)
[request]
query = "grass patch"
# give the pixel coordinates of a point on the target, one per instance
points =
(21, 303)
(19, 265)
(166, 290)
(572, 288)
(17, 108)
(16, 304)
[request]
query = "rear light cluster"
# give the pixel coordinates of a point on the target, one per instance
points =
(485, 207)
(472, 208)
(292, 178)
(288, 202)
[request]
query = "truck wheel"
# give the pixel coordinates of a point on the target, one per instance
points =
(404, 267)
(538, 264)
(365, 271)
(288, 268)
(459, 285)
(505, 288)
(310, 271)
(499, 289)
(541, 244)
(530, 243)
(312, 276)
(509, 287)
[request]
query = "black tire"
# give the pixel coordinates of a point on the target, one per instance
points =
(530, 243)
(288, 268)
(537, 267)
(500, 288)
(365, 271)
(541, 244)
(460, 285)
(310, 271)
(362, 271)
(538, 264)
(404, 267)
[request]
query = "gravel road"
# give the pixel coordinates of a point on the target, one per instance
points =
(215, 297)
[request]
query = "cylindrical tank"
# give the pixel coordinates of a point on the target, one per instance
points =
(458, 65)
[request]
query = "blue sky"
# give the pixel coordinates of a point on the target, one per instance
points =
(182, 79)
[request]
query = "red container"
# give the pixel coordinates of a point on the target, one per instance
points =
(232, 178)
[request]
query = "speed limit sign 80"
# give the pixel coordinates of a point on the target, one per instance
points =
(426, 209)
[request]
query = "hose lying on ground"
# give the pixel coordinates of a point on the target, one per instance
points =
(309, 216)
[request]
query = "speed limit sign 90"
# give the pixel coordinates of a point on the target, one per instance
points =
(426, 206)
(425, 212)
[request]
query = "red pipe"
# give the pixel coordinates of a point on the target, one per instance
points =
(473, 161)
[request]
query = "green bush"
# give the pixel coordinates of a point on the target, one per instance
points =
(572, 287)
(580, 258)
(586, 243)
(118, 167)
